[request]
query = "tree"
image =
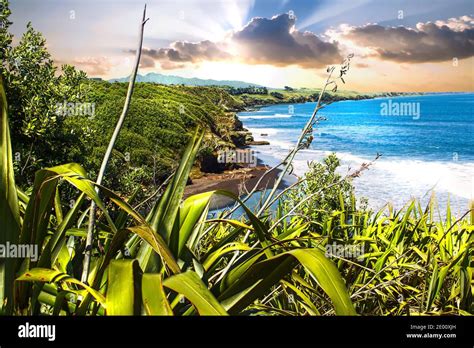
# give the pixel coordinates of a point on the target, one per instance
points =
(40, 135)
(5, 36)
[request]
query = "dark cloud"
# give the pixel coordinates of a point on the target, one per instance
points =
(185, 52)
(276, 41)
(272, 41)
(146, 61)
(430, 42)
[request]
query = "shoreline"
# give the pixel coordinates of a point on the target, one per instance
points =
(238, 181)
(392, 169)
(242, 180)
(333, 98)
(257, 103)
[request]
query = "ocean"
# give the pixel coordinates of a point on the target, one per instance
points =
(426, 142)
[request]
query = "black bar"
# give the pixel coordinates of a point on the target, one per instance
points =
(290, 331)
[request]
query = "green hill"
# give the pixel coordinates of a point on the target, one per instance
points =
(157, 127)
(178, 80)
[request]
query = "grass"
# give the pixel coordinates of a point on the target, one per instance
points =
(162, 255)
(172, 260)
(302, 95)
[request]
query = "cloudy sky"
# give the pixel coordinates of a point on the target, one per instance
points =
(399, 45)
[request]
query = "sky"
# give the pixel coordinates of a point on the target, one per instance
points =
(398, 45)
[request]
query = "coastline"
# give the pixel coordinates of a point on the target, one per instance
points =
(242, 180)
(296, 97)
(238, 181)
(253, 102)
(417, 173)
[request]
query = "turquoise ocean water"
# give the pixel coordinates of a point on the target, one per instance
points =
(426, 142)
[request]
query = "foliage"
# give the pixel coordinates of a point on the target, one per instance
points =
(320, 208)
(247, 90)
(277, 95)
(39, 135)
(5, 36)
(159, 125)
(171, 259)
(156, 130)
(169, 234)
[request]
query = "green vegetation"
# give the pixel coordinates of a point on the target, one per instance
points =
(39, 136)
(402, 263)
(319, 253)
(49, 128)
(156, 129)
(290, 95)
(247, 90)
(318, 210)
(177, 262)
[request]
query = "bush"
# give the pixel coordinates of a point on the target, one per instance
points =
(333, 193)
(277, 95)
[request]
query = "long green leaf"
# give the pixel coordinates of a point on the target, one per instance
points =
(153, 295)
(328, 278)
(189, 285)
(9, 208)
(270, 271)
(157, 243)
(166, 211)
(123, 288)
(192, 211)
(52, 276)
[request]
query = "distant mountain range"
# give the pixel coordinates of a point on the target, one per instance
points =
(177, 80)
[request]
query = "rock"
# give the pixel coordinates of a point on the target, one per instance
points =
(209, 164)
(241, 138)
(238, 126)
(260, 142)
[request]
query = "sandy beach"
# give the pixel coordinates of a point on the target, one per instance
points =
(238, 181)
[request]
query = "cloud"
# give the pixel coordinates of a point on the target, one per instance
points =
(146, 61)
(273, 41)
(429, 42)
(104, 65)
(93, 66)
(457, 24)
(182, 52)
(276, 41)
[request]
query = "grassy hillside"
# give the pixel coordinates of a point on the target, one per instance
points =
(159, 123)
(302, 95)
(156, 252)
(161, 119)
